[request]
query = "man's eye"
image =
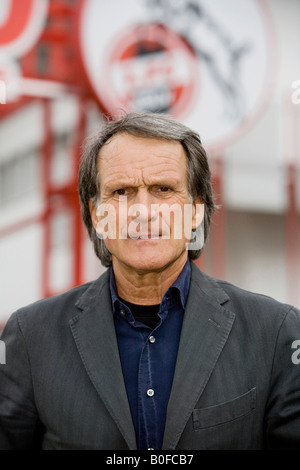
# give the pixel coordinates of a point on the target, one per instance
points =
(164, 189)
(121, 192)
(161, 190)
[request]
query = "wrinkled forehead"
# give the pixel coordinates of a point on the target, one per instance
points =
(122, 140)
(131, 150)
(139, 157)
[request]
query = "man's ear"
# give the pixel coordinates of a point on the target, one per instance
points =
(94, 215)
(198, 213)
(99, 220)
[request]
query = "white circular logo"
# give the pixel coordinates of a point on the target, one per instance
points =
(149, 68)
(206, 62)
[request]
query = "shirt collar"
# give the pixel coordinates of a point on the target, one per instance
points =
(180, 285)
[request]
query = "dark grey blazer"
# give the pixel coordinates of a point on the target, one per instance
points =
(235, 385)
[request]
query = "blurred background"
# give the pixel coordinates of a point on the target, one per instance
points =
(230, 69)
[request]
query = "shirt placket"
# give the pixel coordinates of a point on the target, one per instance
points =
(149, 394)
(148, 406)
(147, 410)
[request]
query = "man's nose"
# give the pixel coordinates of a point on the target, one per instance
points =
(141, 208)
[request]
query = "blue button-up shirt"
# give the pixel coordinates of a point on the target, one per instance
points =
(148, 358)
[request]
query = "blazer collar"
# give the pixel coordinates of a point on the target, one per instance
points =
(94, 333)
(205, 329)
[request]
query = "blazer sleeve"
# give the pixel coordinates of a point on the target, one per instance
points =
(19, 423)
(283, 408)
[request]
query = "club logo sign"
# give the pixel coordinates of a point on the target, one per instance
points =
(149, 68)
(206, 62)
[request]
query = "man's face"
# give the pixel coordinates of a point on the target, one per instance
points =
(140, 180)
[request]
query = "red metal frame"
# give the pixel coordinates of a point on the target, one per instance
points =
(292, 216)
(292, 235)
(213, 258)
(63, 197)
(218, 225)
(46, 163)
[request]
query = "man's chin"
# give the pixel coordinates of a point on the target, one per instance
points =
(146, 254)
(148, 263)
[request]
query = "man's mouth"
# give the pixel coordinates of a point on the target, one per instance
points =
(147, 236)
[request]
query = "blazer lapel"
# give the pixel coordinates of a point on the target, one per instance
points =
(205, 330)
(94, 333)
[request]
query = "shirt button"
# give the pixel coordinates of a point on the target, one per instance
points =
(122, 312)
(151, 339)
(150, 392)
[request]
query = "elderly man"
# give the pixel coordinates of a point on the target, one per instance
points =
(154, 354)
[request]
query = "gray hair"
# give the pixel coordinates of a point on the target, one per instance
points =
(147, 125)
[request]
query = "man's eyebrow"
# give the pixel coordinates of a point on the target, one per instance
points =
(158, 180)
(163, 181)
(119, 183)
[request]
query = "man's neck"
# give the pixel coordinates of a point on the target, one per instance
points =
(145, 288)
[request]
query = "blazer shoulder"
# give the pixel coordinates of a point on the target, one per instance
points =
(238, 299)
(252, 299)
(61, 305)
